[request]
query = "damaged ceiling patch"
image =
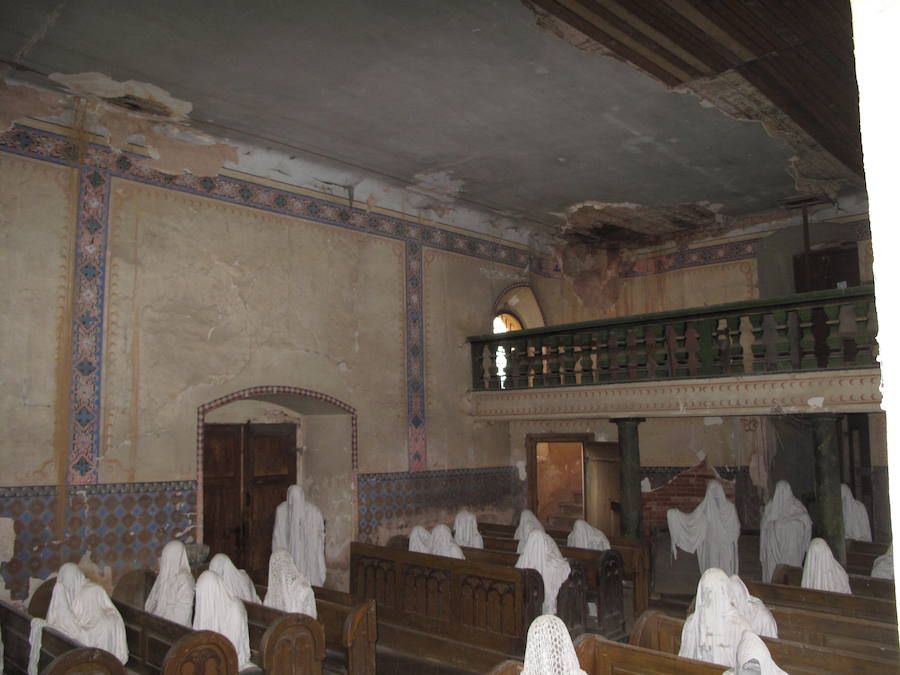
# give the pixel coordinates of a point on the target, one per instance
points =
(135, 96)
(438, 184)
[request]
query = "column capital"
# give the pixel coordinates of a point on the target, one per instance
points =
(628, 420)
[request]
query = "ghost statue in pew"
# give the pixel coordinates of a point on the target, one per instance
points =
(172, 595)
(785, 531)
(711, 531)
(300, 528)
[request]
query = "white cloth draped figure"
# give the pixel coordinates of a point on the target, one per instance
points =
(821, 571)
(586, 536)
(711, 531)
(61, 612)
(542, 554)
(752, 609)
(99, 621)
(237, 582)
(442, 543)
(465, 530)
(549, 649)
(856, 518)
(752, 657)
(884, 565)
(713, 631)
(288, 589)
(217, 610)
(172, 595)
(785, 531)
(527, 522)
(300, 528)
(419, 540)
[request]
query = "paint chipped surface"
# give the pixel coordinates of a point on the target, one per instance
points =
(816, 402)
(103, 86)
(18, 102)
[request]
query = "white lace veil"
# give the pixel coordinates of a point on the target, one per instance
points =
(586, 536)
(419, 540)
(752, 609)
(217, 610)
(465, 530)
(288, 589)
(237, 582)
(172, 595)
(821, 571)
(542, 554)
(99, 621)
(714, 629)
(527, 522)
(549, 649)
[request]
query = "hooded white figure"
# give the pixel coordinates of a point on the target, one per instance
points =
(217, 610)
(527, 522)
(465, 530)
(821, 571)
(237, 582)
(856, 518)
(61, 613)
(752, 609)
(785, 531)
(99, 621)
(549, 649)
(752, 657)
(419, 540)
(711, 531)
(442, 543)
(172, 595)
(300, 528)
(713, 631)
(288, 589)
(585, 536)
(542, 554)
(884, 565)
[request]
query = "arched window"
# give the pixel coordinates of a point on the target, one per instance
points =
(504, 322)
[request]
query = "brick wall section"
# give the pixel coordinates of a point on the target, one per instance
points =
(684, 492)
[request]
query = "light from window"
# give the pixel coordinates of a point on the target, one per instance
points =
(504, 322)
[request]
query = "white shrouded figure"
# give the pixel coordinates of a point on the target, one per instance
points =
(542, 554)
(856, 518)
(884, 565)
(527, 522)
(99, 621)
(752, 609)
(713, 631)
(549, 649)
(300, 528)
(585, 536)
(237, 582)
(752, 657)
(172, 595)
(288, 589)
(442, 543)
(217, 610)
(821, 571)
(465, 530)
(711, 531)
(419, 540)
(785, 531)
(61, 612)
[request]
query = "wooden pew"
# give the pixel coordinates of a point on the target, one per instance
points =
(279, 642)
(866, 586)
(60, 655)
(658, 631)
(635, 556)
(861, 555)
(461, 614)
(157, 645)
(857, 606)
(573, 595)
(599, 656)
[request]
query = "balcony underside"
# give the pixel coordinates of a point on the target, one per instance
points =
(840, 391)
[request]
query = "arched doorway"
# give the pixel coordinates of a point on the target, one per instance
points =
(252, 444)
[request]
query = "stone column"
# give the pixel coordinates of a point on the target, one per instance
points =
(828, 483)
(629, 476)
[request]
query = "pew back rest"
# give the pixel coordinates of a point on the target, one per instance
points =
(481, 604)
(201, 651)
(857, 606)
(836, 631)
(866, 586)
(861, 555)
(599, 656)
(280, 642)
(660, 632)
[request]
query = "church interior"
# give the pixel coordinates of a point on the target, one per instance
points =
(580, 257)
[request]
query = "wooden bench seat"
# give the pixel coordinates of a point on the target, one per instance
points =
(635, 556)
(455, 613)
(866, 586)
(857, 606)
(861, 555)
(60, 655)
(658, 631)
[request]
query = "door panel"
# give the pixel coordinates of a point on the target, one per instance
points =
(601, 486)
(222, 513)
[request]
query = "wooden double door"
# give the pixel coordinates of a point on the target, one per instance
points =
(247, 469)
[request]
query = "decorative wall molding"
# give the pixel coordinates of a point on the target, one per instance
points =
(793, 393)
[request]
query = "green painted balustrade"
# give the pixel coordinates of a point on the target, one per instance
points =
(821, 330)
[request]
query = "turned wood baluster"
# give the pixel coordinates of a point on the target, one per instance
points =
(536, 361)
(759, 347)
(769, 338)
(846, 334)
(807, 339)
(866, 327)
(522, 364)
(489, 367)
(794, 335)
(654, 354)
(671, 350)
(567, 359)
(706, 329)
(692, 348)
(601, 371)
(551, 378)
(734, 356)
(831, 343)
(782, 343)
(615, 354)
(631, 352)
(585, 340)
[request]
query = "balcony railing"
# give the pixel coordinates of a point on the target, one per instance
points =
(810, 331)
